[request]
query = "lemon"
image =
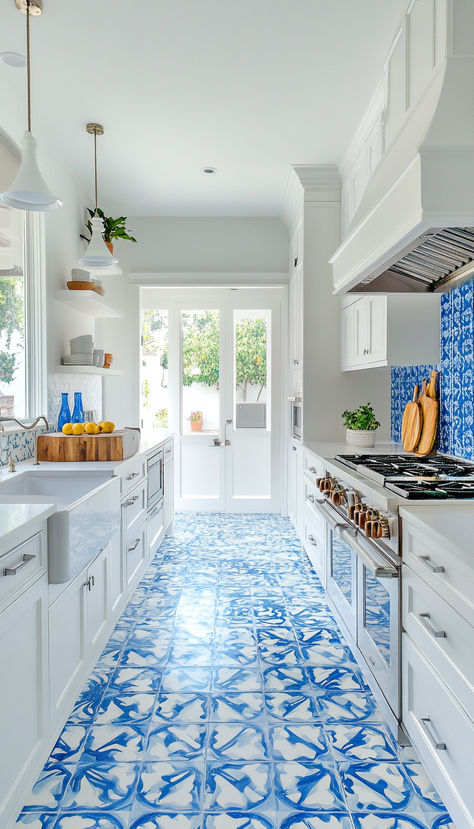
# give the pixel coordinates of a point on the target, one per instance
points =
(108, 427)
(78, 429)
(91, 428)
(100, 426)
(67, 428)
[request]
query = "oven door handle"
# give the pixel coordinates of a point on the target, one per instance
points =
(333, 522)
(377, 566)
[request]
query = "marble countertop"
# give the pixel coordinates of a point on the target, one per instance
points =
(329, 450)
(452, 525)
(19, 521)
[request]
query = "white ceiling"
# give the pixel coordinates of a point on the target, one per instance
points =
(249, 87)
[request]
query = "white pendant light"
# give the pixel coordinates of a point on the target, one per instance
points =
(98, 255)
(29, 191)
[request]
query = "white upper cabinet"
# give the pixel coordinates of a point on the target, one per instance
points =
(389, 330)
(296, 311)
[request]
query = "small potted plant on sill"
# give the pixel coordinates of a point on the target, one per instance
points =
(361, 426)
(196, 421)
(113, 228)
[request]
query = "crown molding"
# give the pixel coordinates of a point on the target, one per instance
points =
(198, 279)
(309, 183)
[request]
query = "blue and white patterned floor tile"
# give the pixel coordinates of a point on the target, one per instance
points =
(221, 701)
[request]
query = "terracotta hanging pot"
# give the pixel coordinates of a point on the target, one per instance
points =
(196, 425)
(110, 246)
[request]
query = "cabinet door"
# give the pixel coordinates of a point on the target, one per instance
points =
(116, 574)
(96, 594)
(362, 335)
(292, 454)
(377, 328)
(24, 724)
(135, 551)
(168, 498)
(348, 345)
(67, 658)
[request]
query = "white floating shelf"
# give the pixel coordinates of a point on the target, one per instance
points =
(87, 302)
(102, 372)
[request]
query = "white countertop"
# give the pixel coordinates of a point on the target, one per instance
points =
(330, 450)
(452, 524)
(19, 521)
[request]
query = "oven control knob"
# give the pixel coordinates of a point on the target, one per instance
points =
(369, 528)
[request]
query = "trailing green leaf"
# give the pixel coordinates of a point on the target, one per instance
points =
(113, 228)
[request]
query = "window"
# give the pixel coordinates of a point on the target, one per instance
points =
(154, 371)
(13, 372)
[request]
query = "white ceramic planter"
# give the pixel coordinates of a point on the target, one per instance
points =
(364, 438)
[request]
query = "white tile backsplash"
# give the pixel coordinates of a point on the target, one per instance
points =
(90, 386)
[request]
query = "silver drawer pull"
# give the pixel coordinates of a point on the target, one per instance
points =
(130, 502)
(425, 561)
(312, 540)
(426, 726)
(436, 634)
(12, 571)
(132, 476)
(134, 547)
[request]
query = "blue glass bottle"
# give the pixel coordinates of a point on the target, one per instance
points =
(78, 413)
(65, 413)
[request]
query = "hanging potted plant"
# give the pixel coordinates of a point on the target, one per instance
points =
(361, 426)
(196, 421)
(113, 228)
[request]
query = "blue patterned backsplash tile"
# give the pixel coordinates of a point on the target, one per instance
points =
(456, 430)
(19, 445)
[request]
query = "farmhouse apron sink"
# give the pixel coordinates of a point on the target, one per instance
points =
(87, 516)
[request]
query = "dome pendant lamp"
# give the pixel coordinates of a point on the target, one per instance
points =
(29, 190)
(98, 255)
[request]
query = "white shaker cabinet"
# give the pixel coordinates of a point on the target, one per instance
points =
(296, 329)
(379, 330)
(23, 694)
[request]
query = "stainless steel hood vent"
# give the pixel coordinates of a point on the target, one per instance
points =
(437, 261)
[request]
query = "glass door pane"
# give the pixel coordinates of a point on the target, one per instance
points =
(252, 371)
(154, 370)
(200, 344)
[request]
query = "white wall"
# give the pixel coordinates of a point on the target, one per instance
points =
(194, 246)
(327, 390)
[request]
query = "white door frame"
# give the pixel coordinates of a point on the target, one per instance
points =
(175, 300)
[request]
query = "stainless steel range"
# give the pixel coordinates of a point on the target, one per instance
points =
(359, 500)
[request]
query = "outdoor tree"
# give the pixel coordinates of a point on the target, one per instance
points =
(11, 322)
(201, 348)
(251, 355)
(155, 339)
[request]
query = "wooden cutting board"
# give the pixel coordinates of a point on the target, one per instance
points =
(430, 408)
(58, 448)
(412, 423)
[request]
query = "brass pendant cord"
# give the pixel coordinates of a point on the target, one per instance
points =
(95, 172)
(28, 62)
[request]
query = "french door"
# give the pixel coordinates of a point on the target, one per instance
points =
(219, 351)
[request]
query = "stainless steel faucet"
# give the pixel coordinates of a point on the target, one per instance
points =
(25, 426)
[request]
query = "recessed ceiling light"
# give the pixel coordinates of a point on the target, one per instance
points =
(209, 171)
(13, 59)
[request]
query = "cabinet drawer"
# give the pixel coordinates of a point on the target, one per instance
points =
(445, 638)
(133, 504)
(311, 495)
(440, 730)
(314, 542)
(133, 473)
(446, 573)
(313, 466)
(20, 565)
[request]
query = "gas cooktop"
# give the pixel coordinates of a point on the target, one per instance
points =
(433, 476)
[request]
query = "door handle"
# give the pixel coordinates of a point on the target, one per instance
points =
(12, 571)
(375, 566)
(218, 443)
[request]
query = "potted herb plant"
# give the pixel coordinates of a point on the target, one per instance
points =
(196, 421)
(361, 426)
(113, 228)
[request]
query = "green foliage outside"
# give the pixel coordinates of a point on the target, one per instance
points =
(200, 348)
(361, 419)
(251, 355)
(161, 419)
(11, 321)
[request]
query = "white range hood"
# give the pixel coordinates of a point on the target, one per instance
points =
(413, 229)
